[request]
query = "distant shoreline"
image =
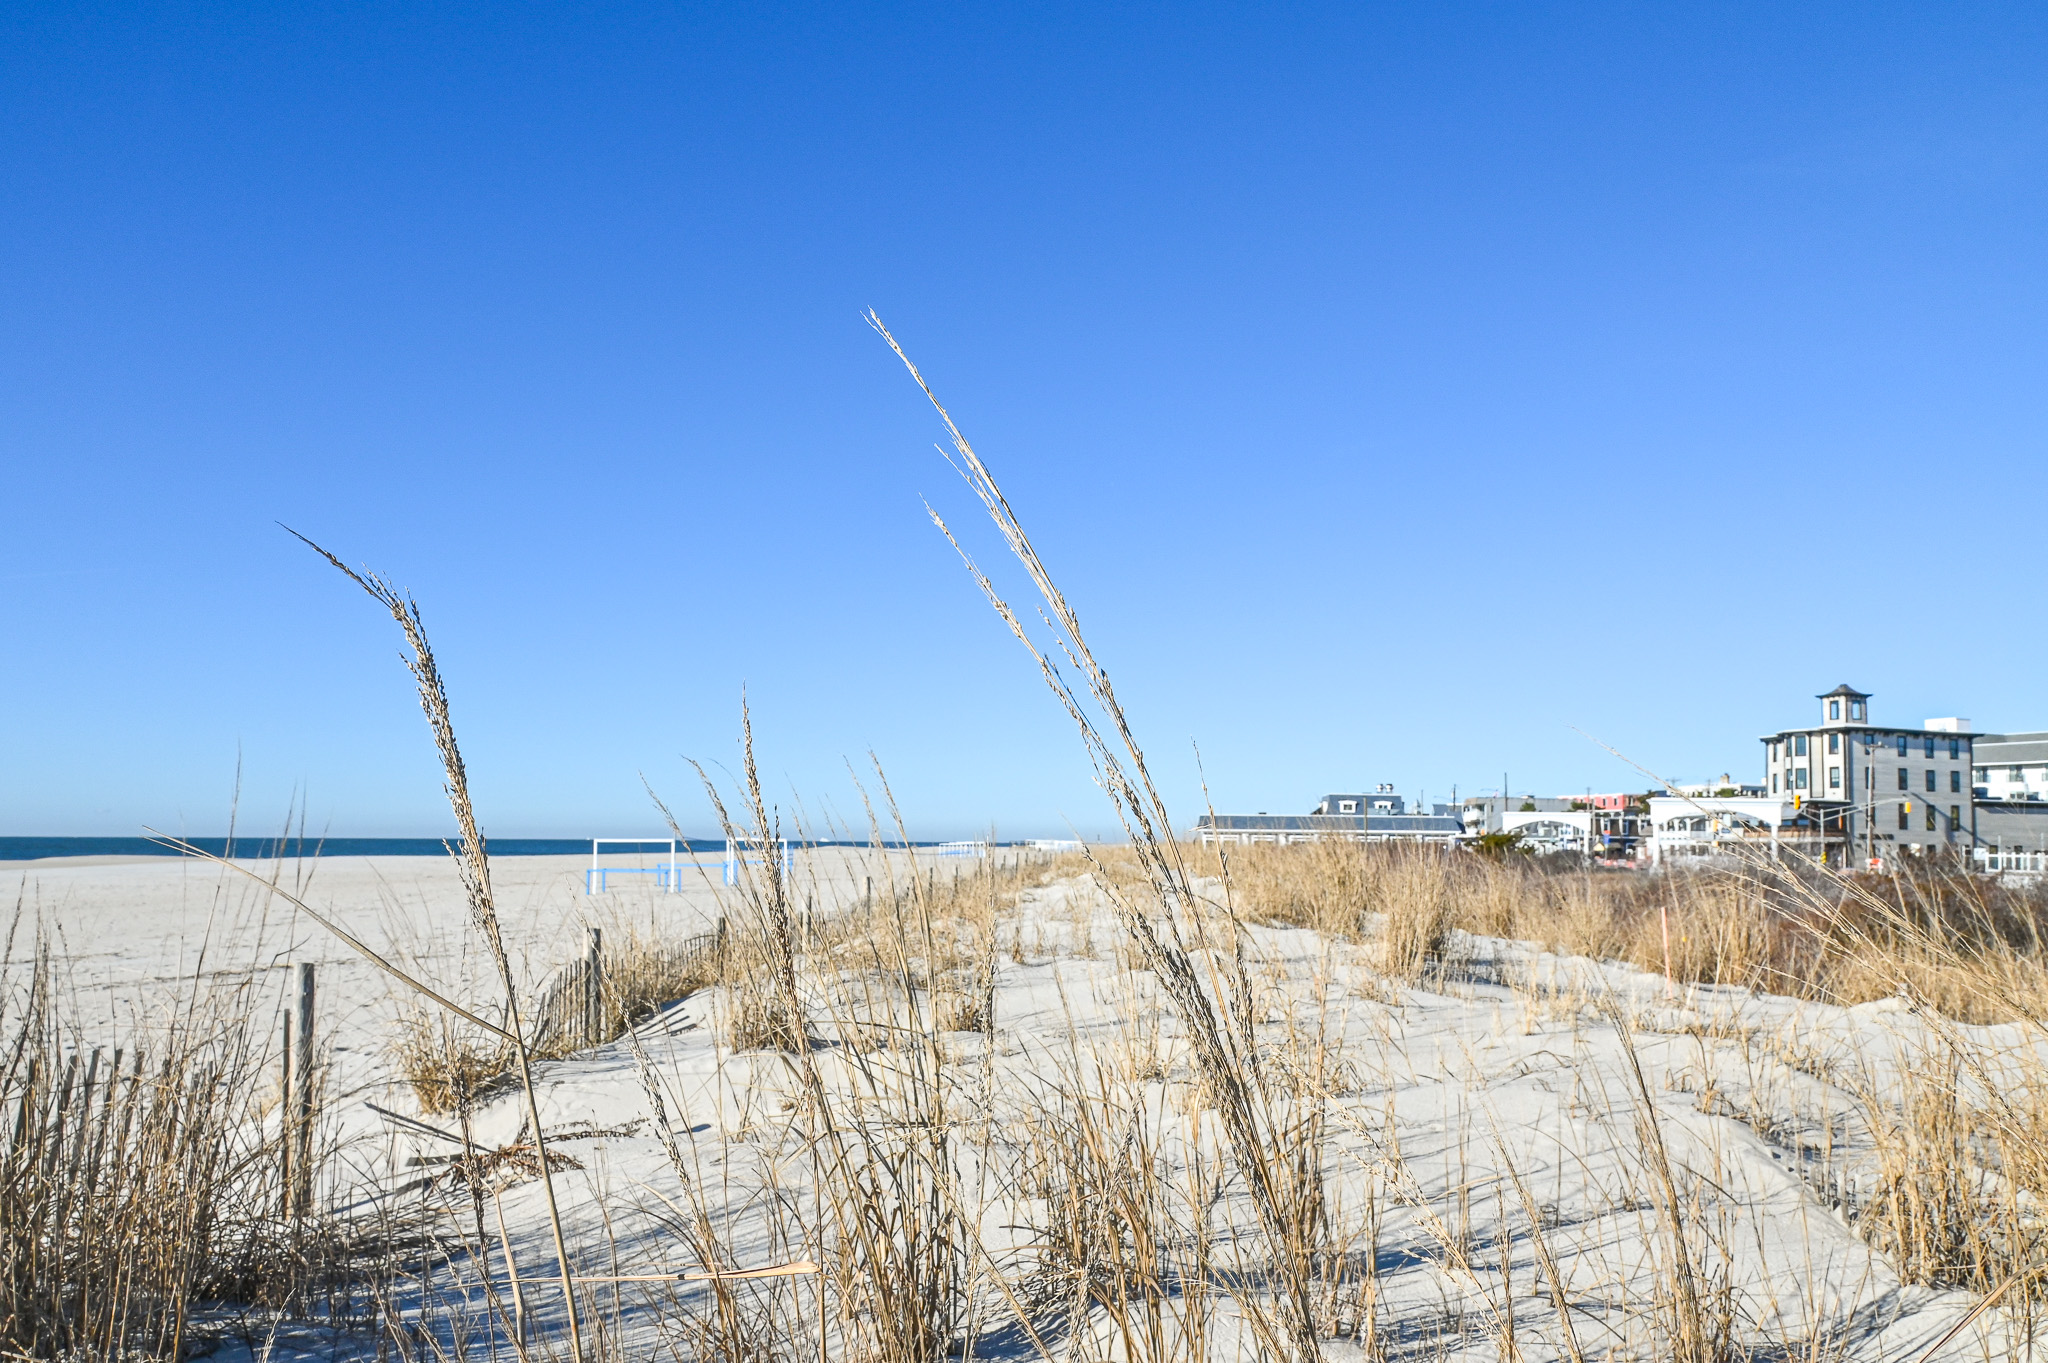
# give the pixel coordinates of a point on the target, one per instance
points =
(268, 849)
(115, 851)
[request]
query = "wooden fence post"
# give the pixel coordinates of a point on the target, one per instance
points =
(593, 989)
(301, 1098)
(286, 1131)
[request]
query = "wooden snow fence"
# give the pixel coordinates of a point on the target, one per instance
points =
(587, 1003)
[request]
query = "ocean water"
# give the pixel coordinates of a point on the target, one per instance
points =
(30, 849)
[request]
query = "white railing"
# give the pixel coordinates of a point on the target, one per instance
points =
(1997, 862)
(1054, 844)
(961, 849)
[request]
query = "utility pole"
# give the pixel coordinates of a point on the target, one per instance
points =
(1869, 800)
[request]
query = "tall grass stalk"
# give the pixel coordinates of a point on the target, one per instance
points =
(473, 864)
(1220, 1023)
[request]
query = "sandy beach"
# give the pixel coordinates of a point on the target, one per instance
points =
(132, 934)
(1451, 1107)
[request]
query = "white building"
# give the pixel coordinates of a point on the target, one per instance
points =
(1551, 830)
(2009, 829)
(1726, 786)
(2012, 766)
(1683, 826)
(1381, 816)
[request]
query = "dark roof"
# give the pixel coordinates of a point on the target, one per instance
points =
(1331, 823)
(1995, 750)
(1844, 690)
(1860, 727)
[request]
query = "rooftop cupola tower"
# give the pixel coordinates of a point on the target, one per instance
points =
(1844, 705)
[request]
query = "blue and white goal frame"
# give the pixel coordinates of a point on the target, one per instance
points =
(668, 878)
(747, 852)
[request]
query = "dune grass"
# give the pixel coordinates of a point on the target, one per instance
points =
(144, 1173)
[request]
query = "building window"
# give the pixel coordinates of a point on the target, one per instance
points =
(1869, 777)
(1955, 750)
(1955, 817)
(1902, 745)
(1834, 778)
(1930, 778)
(1932, 817)
(1834, 709)
(1774, 783)
(1799, 778)
(1929, 742)
(2018, 776)
(1834, 743)
(1902, 779)
(1983, 774)
(1799, 745)
(1347, 806)
(1856, 709)
(1904, 810)
(1955, 782)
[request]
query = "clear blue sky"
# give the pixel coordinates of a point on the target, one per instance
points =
(1392, 387)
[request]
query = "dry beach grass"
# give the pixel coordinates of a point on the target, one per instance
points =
(986, 1118)
(149, 1167)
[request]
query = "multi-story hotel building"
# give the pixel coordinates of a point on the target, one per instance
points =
(1876, 786)
(1877, 789)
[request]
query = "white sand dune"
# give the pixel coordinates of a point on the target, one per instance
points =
(1435, 1092)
